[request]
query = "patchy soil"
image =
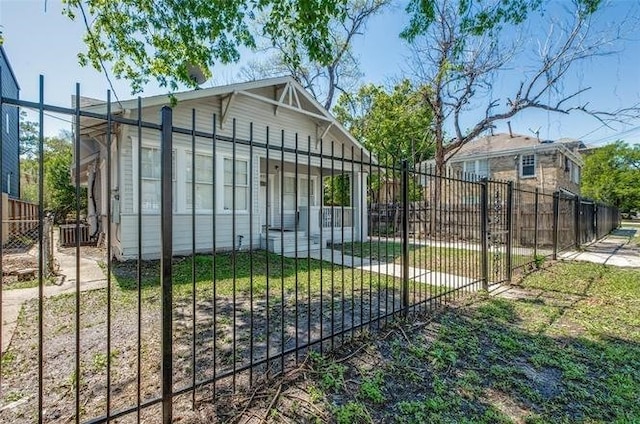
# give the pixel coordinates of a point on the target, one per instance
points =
(20, 270)
(563, 347)
(543, 357)
(278, 318)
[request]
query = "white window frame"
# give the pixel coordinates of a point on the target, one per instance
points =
(139, 192)
(301, 185)
(187, 181)
(575, 173)
(475, 165)
(314, 187)
(535, 163)
(222, 184)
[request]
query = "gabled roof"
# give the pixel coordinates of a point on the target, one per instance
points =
(506, 144)
(293, 97)
(6, 60)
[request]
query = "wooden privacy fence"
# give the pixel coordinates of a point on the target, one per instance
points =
(536, 219)
(19, 218)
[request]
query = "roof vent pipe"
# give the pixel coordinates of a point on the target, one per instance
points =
(509, 125)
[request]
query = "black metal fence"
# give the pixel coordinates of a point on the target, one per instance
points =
(229, 255)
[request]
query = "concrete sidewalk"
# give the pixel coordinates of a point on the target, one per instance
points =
(391, 269)
(616, 249)
(91, 278)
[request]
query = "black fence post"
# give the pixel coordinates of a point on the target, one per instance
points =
(576, 227)
(535, 224)
(166, 240)
(405, 238)
(556, 222)
(596, 234)
(484, 206)
(509, 229)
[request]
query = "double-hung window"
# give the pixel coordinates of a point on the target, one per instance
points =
(528, 166)
(575, 173)
(203, 182)
(478, 168)
(289, 192)
(150, 173)
(238, 187)
(307, 192)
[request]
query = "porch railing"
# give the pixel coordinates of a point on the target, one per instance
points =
(337, 216)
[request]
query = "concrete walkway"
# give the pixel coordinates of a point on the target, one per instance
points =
(391, 269)
(616, 249)
(91, 277)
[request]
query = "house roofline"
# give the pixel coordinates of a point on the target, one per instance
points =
(162, 99)
(518, 150)
(6, 60)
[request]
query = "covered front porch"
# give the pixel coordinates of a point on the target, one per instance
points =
(305, 208)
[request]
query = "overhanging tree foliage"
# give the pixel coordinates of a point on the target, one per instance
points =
(462, 47)
(163, 39)
(394, 125)
(325, 79)
(612, 175)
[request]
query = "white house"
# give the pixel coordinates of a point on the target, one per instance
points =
(278, 193)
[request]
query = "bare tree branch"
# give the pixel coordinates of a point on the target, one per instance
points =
(341, 73)
(461, 67)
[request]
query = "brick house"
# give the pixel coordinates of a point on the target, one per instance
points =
(549, 165)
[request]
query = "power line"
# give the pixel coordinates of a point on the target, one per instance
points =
(93, 42)
(617, 135)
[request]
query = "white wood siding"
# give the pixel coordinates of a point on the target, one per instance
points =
(245, 110)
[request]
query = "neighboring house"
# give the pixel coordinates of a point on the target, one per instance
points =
(529, 162)
(281, 104)
(10, 126)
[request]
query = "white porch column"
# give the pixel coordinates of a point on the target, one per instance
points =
(91, 207)
(360, 207)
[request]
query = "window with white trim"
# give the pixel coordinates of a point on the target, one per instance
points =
(150, 173)
(203, 184)
(289, 192)
(575, 173)
(307, 197)
(478, 168)
(239, 187)
(528, 166)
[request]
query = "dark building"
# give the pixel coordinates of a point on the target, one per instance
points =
(10, 177)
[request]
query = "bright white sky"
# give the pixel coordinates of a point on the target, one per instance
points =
(40, 40)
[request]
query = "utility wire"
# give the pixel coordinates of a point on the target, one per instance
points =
(616, 136)
(93, 42)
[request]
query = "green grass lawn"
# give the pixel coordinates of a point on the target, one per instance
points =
(562, 347)
(450, 260)
(245, 272)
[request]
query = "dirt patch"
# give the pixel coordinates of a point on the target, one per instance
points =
(19, 268)
(253, 332)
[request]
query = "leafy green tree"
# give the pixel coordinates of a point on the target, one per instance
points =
(59, 192)
(163, 39)
(29, 136)
(393, 125)
(611, 174)
(337, 191)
